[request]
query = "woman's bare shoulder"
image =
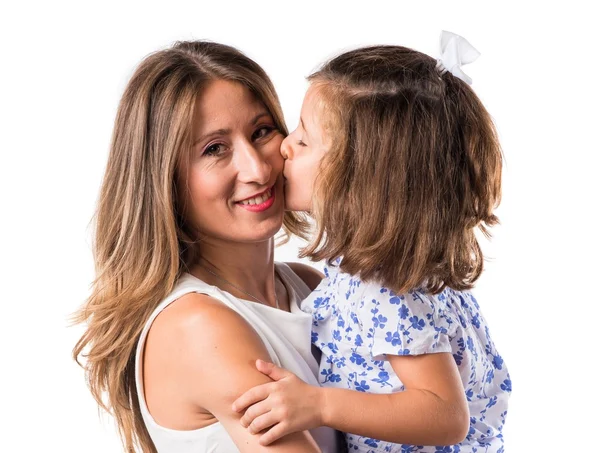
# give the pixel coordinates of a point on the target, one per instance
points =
(209, 353)
(308, 274)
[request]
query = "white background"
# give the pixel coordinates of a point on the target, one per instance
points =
(64, 66)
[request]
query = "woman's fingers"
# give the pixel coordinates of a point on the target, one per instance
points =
(252, 396)
(254, 411)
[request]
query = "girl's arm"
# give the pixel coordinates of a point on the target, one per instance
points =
(432, 410)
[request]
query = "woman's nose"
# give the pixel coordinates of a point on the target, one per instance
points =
(286, 148)
(253, 166)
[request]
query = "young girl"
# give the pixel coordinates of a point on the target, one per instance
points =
(398, 162)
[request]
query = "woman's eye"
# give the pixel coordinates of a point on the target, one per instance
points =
(262, 132)
(300, 143)
(214, 149)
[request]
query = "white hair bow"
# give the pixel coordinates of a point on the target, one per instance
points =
(456, 51)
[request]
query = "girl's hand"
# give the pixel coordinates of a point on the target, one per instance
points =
(282, 407)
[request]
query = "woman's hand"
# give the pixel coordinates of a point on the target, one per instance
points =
(284, 406)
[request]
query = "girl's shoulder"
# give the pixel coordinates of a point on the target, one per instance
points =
(372, 297)
(415, 322)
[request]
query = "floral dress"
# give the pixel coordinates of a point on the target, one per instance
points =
(356, 324)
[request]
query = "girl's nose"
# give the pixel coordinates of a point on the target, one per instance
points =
(286, 148)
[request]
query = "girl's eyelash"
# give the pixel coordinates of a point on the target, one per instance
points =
(301, 143)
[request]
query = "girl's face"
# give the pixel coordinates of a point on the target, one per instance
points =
(234, 179)
(303, 150)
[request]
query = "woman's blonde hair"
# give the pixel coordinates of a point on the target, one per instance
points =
(414, 167)
(141, 243)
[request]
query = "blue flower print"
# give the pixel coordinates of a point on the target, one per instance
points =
(383, 378)
(356, 358)
(458, 357)
(371, 442)
(409, 448)
(417, 323)
(379, 321)
(340, 362)
(471, 345)
(358, 335)
(358, 341)
(330, 376)
(395, 299)
(469, 394)
(474, 301)
(333, 347)
(497, 362)
(394, 338)
(362, 386)
(491, 402)
(447, 449)
(403, 312)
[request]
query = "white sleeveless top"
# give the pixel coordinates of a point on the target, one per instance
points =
(286, 336)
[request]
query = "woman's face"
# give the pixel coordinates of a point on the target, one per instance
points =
(234, 180)
(303, 150)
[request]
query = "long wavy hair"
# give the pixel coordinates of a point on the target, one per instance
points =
(414, 167)
(141, 242)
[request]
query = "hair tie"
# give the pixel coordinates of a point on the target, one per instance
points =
(455, 51)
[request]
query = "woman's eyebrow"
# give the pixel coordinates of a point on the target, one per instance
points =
(258, 117)
(254, 120)
(211, 134)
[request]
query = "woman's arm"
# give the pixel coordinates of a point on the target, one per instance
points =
(432, 410)
(209, 352)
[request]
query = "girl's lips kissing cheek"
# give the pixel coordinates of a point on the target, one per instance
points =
(259, 202)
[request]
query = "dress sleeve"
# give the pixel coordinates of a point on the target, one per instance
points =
(405, 324)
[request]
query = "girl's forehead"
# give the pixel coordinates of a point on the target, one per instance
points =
(312, 97)
(312, 106)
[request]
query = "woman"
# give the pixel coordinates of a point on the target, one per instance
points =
(187, 295)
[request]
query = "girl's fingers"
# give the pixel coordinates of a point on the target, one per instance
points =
(262, 422)
(276, 432)
(252, 396)
(254, 411)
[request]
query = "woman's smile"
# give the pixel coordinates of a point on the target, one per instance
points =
(259, 202)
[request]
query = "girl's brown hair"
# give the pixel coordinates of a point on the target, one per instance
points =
(141, 243)
(414, 167)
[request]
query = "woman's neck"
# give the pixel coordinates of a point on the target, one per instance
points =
(249, 267)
